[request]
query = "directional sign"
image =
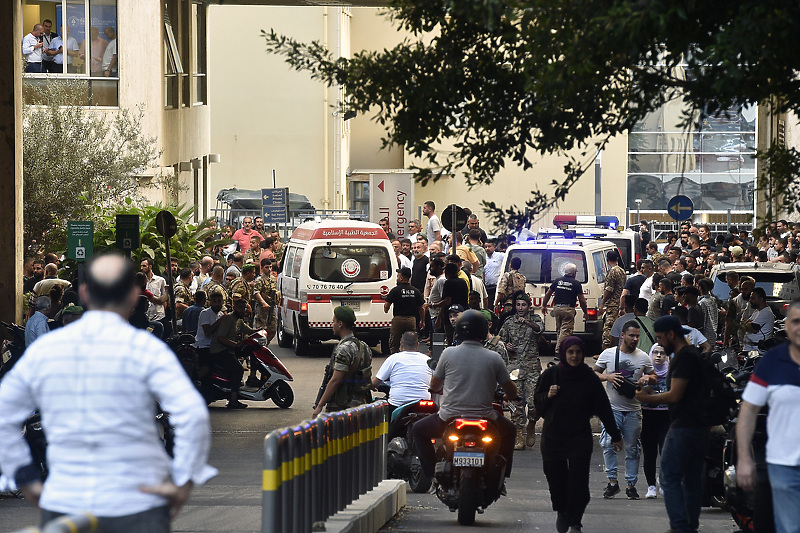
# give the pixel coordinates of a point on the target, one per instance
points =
(80, 240)
(128, 232)
(279, 196)
(680, 207)
(274, 214)
(460, 218)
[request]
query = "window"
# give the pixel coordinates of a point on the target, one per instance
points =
(559, 260)
(543, 266)
(288, 260)
(600, 266)
(359, 196)
(339, 264)
(184, 53)
(86, 33)
(298, 262)
(714, 164)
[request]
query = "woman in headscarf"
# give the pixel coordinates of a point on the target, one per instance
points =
(655, 420)
(567, 396)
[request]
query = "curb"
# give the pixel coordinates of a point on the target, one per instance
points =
(372, 510)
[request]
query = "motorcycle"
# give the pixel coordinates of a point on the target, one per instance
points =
(470, 470)
(402, 461)
(216, 385)
(13, 346)
(750, 510)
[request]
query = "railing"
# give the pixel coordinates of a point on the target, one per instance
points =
(317, 468)
(83, 523)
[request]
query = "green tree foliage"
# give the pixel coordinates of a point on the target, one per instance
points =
(188, 244)
(76, 158)
(498, 79)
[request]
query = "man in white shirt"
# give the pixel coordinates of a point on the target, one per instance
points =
(156, 285)
(646, 291)
(32, 49)
(402, 260)
(110, 54)
(205, 330)
(407, 372)
(61, 46)
(761, 323)
(434, 228)
(491, 272)
(636, 366)
(104, 453)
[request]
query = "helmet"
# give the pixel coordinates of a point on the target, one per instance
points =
(472, 325)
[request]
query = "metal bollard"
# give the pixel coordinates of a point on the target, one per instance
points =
(307, 502)
(270, 485)
(340, 434)
(296, 494)
(284, 452)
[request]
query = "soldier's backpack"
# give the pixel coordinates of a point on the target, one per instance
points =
(355, 388)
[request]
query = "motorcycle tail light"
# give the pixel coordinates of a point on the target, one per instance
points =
(426, 403)
(433, 441)
(480, 424)
(487, 440)
(453, 438)
(469, 444)
(591, 314)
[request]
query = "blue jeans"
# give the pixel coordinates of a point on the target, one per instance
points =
(682, 460)
(785, 481)
(629, 424)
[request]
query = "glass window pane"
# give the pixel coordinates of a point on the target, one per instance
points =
(103, 14)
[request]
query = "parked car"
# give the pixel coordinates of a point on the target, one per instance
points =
(780, 281)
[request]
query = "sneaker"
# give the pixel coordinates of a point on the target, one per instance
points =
(631, 493)
(612, 489)
(236, 405)
(253, 381)
(561, 523)
(651, 492)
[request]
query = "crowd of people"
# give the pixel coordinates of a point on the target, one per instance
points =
(47, 52)
(219, 299)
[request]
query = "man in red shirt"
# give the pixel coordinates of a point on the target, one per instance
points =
(243, 234)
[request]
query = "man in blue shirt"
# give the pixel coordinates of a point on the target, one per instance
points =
(36, 326)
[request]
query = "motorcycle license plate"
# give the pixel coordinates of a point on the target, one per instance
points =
(355, 305)
(463, 459)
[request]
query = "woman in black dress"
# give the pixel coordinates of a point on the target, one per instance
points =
(567, 396)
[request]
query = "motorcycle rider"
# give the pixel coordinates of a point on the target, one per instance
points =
(407, 371)
(224, 347)
(468, 375)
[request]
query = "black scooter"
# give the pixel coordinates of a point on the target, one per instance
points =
(402, 460)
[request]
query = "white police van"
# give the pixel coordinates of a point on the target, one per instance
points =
(329, 263)
(543, 261)
(605, 228)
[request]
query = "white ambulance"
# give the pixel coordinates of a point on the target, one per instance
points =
(543, 261)
(330, 263)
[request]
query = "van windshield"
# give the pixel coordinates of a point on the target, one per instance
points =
(338, 264)
(543, 266)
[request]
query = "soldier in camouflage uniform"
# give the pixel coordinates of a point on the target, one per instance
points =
(265, 295)
(215, 286)
(241, 286)
(493, 342)
(615, 282)
(520, 334)
(348, 377)
(183, 293)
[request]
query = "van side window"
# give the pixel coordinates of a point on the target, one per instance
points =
(288, 261)
(600, 266)
(298, 261)
(532, 262)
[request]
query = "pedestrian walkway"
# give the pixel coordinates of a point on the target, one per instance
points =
(527, 507)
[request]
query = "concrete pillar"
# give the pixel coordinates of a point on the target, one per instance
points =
(11, 160)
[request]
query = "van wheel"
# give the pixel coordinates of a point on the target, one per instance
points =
(300, 344)
(284, 339)
(385, 349)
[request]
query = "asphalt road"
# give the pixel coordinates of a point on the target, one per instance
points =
(231, 502)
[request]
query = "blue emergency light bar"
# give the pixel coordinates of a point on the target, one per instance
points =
(610, 222)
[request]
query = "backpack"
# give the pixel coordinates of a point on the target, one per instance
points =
(719, 400)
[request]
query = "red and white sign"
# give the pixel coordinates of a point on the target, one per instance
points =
(392, 197)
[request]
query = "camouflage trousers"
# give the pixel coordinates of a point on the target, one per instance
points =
(267, 321)
(612, 314)
(526, 385)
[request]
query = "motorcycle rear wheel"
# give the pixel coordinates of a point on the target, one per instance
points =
(467, 498)
(282, 394)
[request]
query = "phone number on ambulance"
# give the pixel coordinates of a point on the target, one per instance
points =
(340, 286)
